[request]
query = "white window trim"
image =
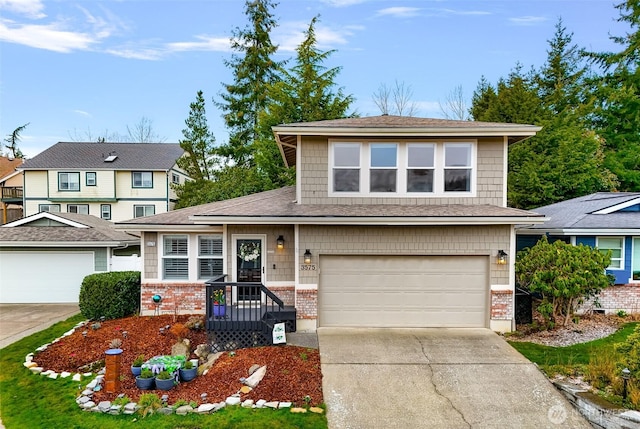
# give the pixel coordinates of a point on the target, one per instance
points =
(77, 206)
(102, 211)
(402, 166)
(163, 257)
(633, 250)
(68, 174)
(621, 253)
(135, 206)
(199, 257)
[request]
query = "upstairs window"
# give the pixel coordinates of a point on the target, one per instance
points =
(383, 167)
(78, 208)
(175, 178)
(175, 257)
(53, 208)
(420, 167)
(68, 181)
(144, 210)
(90, 178)
(346, 167)
(405, 168)
(457, 167)
(142, 179)
(616, 246)
(105, 211)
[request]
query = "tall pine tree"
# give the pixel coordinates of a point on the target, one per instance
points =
(198, 143)
(254, 71)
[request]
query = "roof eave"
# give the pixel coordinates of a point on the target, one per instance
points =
(369, 220)
(527, 131)
(578, 231)
(24, 243)
(163, 227)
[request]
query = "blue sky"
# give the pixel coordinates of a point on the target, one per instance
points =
(73, 68)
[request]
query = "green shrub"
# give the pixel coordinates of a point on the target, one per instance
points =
(630, 352)
(110, 295)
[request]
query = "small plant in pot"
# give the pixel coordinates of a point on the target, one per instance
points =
(188, 372)
(145, 380)
(164, 380)
(136, 366)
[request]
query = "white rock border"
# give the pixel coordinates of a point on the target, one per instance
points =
(86, 403)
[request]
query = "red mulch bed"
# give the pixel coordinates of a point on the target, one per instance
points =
(292, 372)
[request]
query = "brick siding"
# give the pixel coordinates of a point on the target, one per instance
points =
(618, 297)
(501, 305)
(307, 303)
(187, 298)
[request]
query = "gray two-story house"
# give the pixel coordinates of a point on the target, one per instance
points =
(393, 222)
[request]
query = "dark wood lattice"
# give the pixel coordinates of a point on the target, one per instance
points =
(232, 340)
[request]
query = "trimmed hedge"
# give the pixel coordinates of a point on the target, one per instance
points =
(112, 295)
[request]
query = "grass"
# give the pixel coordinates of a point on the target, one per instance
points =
(32, 401)
(577, 354)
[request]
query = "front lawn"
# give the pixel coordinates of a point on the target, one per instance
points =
(596, 362)
(32, 401)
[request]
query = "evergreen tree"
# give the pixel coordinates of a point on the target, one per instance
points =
(253, 71)
(617, 114)
(306, 93)
(198, 143)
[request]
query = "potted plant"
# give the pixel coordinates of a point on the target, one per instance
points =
(145, 380)
(136, 366)
(164, 380)
(188, 372)
(218, 297)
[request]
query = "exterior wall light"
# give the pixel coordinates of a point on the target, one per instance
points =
(307, 257)
(280, 242)
(502, 257)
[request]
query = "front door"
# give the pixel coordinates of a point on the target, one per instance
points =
(249, 266)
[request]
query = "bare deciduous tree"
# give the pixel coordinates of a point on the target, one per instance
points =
(396, 100)
(143, 132)
(454, 106)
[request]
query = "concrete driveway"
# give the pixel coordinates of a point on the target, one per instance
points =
(19, 320)
(435, 378)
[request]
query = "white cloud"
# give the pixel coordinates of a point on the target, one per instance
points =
(290, 34)
(138, 53)
(203, 43)
(82, 113)
(527, 20)
(52, 37)
(399, 12)
(464, 12)
(30, 8)
(342, 3)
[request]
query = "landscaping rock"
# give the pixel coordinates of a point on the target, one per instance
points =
(206, 408)
(298, 410)
(220, 405)
(53, 375)
(83, 400)
(316, 410)
(36, 369)
(184, 410)
(65, 374)
(104, 406)
(115, 409)
(245, 389)
(203, 351)
(130, 408)
(211, 359)
(248, 403)
(284, 405)
(88, 405)
(256, 377)
(253, 368)
(77, 377)
(180, 349)
(165, 411)
(272, 404)
(232, 400)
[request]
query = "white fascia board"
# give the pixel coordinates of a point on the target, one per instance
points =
(47, 215)
(169, 227)
(568, 231)
(410, 131)
(370, 220)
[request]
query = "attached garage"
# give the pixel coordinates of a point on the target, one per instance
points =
(403, 291)
(43, 277)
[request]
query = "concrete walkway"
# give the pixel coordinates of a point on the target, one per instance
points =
(435, 378)
(20, 320)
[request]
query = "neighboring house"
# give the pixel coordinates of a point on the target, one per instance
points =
(44, 257)
(113, 181)
(608, 221)
(393, 222)
(10, 189)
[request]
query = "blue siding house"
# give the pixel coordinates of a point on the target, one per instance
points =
(607, 221)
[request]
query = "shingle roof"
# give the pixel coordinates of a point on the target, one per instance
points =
(279, 203)
(8, 166)
(579, 213)
(98, 231)
(391, 121)
(130, 156)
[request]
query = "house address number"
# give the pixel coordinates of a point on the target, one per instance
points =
(310, 267)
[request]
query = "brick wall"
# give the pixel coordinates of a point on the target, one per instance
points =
(618, 297)
(286, 293)
(307, 303)
(188, 298)
(501, 305)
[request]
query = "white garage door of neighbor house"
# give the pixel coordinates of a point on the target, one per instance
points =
(43, 277)
(403, 291)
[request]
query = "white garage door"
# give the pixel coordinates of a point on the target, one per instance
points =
(403, 291)
(43, 277)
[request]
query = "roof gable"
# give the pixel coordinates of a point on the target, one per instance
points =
(50, 219)
(107, 156)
